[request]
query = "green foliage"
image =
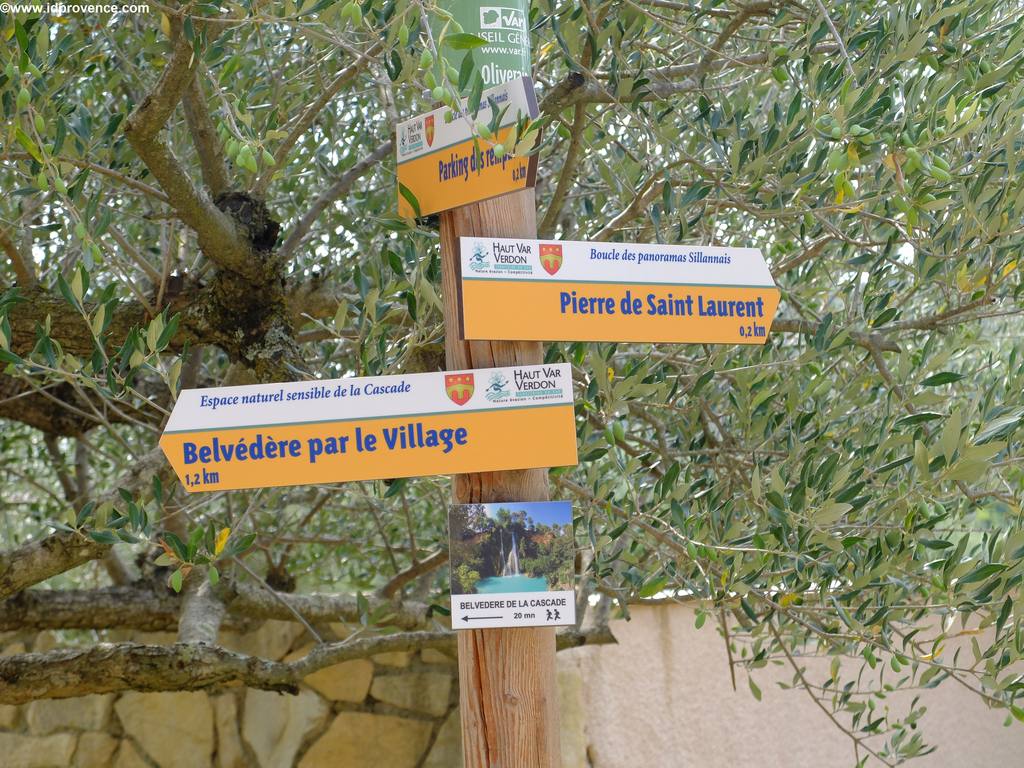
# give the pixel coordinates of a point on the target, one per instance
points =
(553, 559)
(467, 578)
(850, 490)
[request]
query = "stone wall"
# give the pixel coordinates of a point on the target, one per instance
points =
(661, 698)
(396, 710)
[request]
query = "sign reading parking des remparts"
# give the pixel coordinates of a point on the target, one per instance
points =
(337, 430)
(442, 164)
(582, 291)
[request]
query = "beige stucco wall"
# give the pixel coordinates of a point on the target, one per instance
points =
(662, 698)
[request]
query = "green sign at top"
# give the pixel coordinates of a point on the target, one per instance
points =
(505, 27)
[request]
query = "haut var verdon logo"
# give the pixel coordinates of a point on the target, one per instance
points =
(459, 387)
(542, 383)
(497, 389)
(412, 136)
(502, 257)
(551, 257)
(478, 261)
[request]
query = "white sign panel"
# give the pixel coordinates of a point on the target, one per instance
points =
(512, 564)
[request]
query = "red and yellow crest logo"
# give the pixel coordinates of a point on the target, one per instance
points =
(459, 387)
(550, 257)
(428, 129)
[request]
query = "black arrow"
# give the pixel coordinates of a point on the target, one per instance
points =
(480, 618)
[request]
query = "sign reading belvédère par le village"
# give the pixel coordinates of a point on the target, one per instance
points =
(330, 431)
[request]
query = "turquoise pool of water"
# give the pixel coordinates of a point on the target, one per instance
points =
(512, 584)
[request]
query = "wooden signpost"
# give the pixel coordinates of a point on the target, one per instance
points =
(508, 696)
(507, 689)
(508, 699)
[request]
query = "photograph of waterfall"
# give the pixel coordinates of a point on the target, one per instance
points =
(511, 547)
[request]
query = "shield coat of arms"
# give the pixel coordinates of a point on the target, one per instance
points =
(428, 129)
(459, 387)
(550, 257)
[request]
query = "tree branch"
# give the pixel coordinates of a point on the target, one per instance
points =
(412, 573)
(338, 189)
(58, 463)
(247, 600)
(838, 38)
(205, 139)
(132, 252)
(302, 123)
(58, 408)
(190, 299)
(315, 298)
(110, 667)
(130, 607)
(66, 323)
(567, 176)
(648, 193)
(61, 551)
(665, 83)
(107, 667)
(938, 320)
(24, 269)
(737, 21)
(39, 560)
(868, 341)
(151, 607)
(201, 612)
(798, 671)
(218, 237)
(810, 252)
(102, 170)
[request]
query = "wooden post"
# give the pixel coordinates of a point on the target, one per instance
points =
(507, 686)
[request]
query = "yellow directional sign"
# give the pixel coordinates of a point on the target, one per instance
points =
(582, 291)
(371, 428)
(442, 164)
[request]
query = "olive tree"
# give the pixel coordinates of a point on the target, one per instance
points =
(204, 194)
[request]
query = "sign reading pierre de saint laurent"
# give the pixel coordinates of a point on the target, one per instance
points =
(512, 564)
(442, 165)
(270, 435)
(582, 291)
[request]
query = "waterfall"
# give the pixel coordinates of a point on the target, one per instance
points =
(512, 563)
